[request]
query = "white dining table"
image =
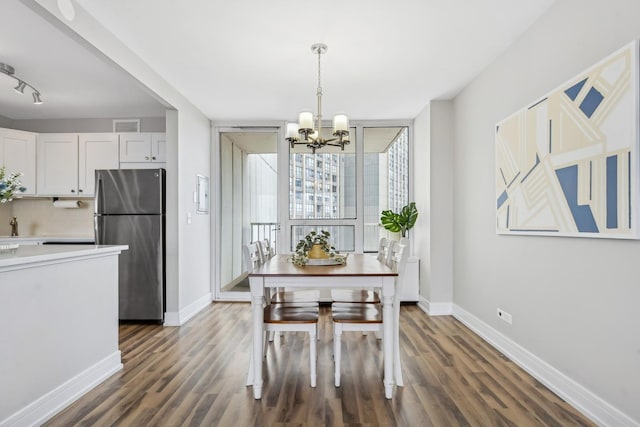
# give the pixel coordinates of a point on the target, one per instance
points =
(360, 271)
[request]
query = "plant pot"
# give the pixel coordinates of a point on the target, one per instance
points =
(317, 252)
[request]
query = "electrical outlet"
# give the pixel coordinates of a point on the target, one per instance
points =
(504, 315)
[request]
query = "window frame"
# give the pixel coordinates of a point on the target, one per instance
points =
(358, 221)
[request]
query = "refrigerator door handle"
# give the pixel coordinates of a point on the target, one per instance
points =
(96, 209)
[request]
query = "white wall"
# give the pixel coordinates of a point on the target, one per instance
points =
(574, 301)
(188, 152)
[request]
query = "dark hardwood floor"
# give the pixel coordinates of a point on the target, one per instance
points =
(195, 376)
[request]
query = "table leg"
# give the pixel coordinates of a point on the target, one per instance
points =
(257, 294)
(387, 341)
(256, 305)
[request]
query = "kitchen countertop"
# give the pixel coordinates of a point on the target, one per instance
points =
(24, 255)
(42, 239)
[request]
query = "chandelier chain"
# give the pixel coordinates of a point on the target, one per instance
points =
(319, 80)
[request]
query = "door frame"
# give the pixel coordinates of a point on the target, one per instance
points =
(216, 191)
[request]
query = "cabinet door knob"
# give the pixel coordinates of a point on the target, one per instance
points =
(73, 191)
(80, 190)
(154, 157)
(146, 157)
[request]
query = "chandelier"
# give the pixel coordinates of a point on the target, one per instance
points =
(10, 71)
(304, 132)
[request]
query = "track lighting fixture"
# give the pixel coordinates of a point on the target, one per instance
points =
(10, 71)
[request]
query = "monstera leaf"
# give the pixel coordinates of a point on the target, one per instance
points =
(400, 222)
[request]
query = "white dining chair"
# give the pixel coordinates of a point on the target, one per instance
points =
(368, 317)
(289, 317)
(281, 295)
(370, 296)
(251, 256)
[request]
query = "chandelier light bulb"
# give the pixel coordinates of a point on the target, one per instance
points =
(340, 123)
(305, 120)
(292, 131)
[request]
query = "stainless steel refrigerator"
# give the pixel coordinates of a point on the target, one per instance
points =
(130, 210)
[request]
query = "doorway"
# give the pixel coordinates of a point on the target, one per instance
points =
(248, 202)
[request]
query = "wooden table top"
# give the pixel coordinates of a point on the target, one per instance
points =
(357, 265)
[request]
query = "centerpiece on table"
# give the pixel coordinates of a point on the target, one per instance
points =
(10, 185)
(317, 246)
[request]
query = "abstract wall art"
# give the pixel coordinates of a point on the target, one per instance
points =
(567, 165)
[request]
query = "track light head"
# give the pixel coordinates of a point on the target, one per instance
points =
(20, 87)
(36, 98)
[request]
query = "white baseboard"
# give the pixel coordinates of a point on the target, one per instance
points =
(592, 406)
(435, 308)
(62, 396)
(172, 318)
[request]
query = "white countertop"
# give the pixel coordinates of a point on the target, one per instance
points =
(30, 254)
(41, 239)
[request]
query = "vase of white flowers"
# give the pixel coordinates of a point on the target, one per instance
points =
(10, 185)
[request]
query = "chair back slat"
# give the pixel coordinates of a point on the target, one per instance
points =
(266, 251)
(251, 256)
(383, 250)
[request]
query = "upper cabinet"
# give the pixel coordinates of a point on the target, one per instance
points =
(142, 147)
(18, 154)
(58, 164)
(67, 162)
(95, 151)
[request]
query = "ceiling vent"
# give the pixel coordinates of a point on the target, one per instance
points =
(126, 126)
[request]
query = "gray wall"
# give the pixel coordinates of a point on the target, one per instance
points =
(147, 124)
(432, 237)
(574, 301)
(5, 122)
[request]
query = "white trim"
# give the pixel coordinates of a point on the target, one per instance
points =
(62, 396)
(435, 308)
(172, 318)
(592, 406)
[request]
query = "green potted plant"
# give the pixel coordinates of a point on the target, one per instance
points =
(314, 245)
(402, 221)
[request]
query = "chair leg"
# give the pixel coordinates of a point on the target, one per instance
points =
(313, 358)
(337, 352)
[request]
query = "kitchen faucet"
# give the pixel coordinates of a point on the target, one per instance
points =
(14, 226)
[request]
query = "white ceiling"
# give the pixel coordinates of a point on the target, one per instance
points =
(75, 82)
(251, 59)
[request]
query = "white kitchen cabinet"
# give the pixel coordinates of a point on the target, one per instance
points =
(18, 154)
(58, 164)
(95, 151)
(67, 162)
(142, 147)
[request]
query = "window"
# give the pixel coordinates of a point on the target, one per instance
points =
(386, 172)
(315, 175)
(329, 180)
